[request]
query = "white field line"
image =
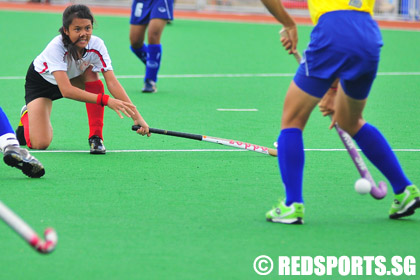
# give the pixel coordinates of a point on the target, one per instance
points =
(197, 150)
(237, 110)
(191, 76)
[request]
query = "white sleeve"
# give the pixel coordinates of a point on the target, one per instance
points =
(54, 55)
(101, 61)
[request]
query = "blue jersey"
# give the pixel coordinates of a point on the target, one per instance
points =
(142, 11)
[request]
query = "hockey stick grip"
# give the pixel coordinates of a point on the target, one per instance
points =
(296, 54)
(171, 133)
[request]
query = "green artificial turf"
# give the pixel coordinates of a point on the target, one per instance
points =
(156, 213)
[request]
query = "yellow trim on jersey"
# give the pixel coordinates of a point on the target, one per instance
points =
(319, 7)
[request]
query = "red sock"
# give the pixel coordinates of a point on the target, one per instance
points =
(25, 122)
(95, 112)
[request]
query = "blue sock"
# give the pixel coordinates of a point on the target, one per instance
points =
(291, 158)
(7, 135)
(141, 53)
(5, 126)
(153, 62)
(375, 147)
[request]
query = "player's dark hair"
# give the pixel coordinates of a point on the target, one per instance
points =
(70, 13)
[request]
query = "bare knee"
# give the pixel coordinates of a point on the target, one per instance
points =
(40, 144)
(136, 35)
(351, 127)
(137, 45)
(155, 30)
(154, 37)
(90, 76)
(136, 41)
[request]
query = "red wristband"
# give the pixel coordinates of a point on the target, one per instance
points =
(333, 88)
(105, 99)
(102, 99)
(98, 99)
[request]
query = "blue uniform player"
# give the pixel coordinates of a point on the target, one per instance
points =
(345, 44)
(152, 15)
(13, 154)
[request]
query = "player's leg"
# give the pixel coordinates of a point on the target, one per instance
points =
(21, 158)
(297, 108)
(154, 53)
(13, 154)
(90, 82)
(7, 136)
(37, 124)
(160, 13)
(374, 145)
(137, 45)
(35, 128)
(140, 14)
(296, 111)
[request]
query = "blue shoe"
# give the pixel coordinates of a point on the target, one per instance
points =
(149, 86)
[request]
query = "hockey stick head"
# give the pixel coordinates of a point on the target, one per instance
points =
(380, 191)
(377, 191)
(47, 246)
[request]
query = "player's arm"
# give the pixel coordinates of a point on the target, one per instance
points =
(118, 92)
(326, 105)
(75, 93)
(70, 91)
(276, 8)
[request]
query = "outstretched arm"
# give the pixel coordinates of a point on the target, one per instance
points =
(121, 102)
(119, 93)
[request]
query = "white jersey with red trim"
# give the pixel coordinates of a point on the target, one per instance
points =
(55, 58)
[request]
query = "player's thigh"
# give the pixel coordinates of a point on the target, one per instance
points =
(87, 76)
(155, 30)
(348, 112)
(137, 33)
(78, 82)
(40, 129)
(297, 107)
